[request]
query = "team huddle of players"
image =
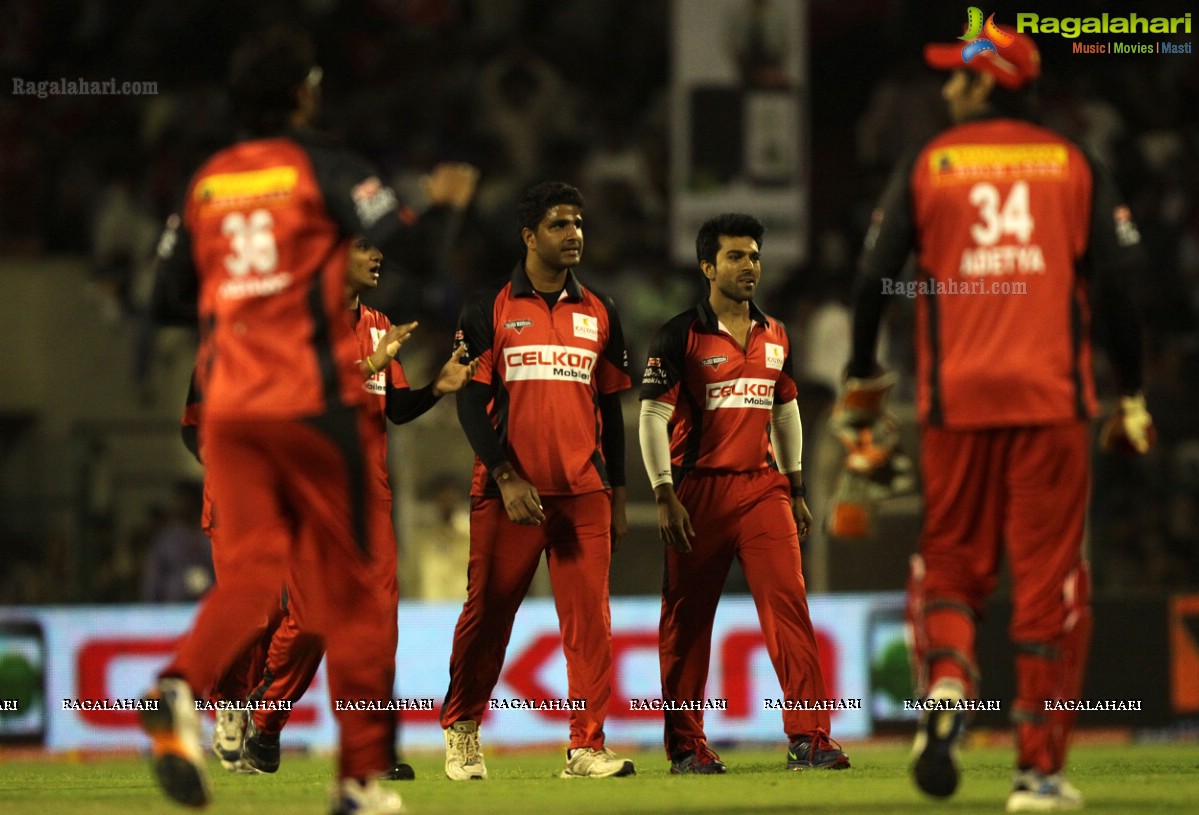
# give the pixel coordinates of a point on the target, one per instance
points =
(296, 380)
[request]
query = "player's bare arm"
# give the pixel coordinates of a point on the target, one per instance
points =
(521, 500)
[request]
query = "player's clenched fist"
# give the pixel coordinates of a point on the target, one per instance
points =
(1130, 429)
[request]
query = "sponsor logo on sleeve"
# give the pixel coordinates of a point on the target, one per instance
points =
(372, 200)
(654, 373)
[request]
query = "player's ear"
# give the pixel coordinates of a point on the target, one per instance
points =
(707, 269)
(529, 237)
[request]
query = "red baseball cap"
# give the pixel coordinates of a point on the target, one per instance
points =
(1013, 66)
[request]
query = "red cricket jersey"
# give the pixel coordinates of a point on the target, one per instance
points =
(369, 328)
(722, 394)
(545, 368)
(271, 265)
(1003, 202)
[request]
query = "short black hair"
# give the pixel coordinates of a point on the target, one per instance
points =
(264, 73)
(733, 224)
(540, 197)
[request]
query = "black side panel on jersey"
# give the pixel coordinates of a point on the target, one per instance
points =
(616, 352)
(478, 332)
(176, 284)
(1115, 256)
(322, 342)
(889, 241)
(355, 197)
(936, 416)
(669, 348)
(341, 425)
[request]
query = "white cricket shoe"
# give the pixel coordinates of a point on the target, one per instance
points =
(583, 762)
(174, 731)
(935, 749)
(1033, 791)
(228, 736)
(464, 752)
(353, 797)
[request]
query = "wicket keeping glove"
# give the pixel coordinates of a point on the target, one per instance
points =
(874, 467)
(1130, 429)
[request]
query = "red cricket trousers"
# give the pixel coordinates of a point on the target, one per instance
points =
(747, 516)
(290, 497)
(296, 651)
(576, 537)
(246, 671)
(1022, 491)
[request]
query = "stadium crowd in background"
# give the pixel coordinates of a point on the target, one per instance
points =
(414, 82)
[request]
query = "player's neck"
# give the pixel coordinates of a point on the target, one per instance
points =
(543, 277)
(728, 311)
(352, 299)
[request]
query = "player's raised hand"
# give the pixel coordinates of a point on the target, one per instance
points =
(451, 183)
(396, 336)
(454, 375)
(674, 522)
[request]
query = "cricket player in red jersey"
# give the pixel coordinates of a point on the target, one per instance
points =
(544, 418)
(295, 651)
(260, 253)
(234, 686)
(716, 388)
(1018, 234)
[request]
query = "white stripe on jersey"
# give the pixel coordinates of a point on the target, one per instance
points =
(557, 362)
(740, 393)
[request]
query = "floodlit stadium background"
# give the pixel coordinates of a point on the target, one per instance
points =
(662, 113)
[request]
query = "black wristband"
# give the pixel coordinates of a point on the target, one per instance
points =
(799, 492)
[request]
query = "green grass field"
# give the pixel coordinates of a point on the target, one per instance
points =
(1115, 779)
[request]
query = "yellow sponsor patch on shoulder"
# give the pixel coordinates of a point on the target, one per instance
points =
(972, 162)
(224, 188)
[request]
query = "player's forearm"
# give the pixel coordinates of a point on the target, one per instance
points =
(652, 431)
(405, 404)
(786, 430)
(472, 415)
(612, 438)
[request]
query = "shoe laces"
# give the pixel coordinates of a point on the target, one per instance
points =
(705, 755)
(467, 746)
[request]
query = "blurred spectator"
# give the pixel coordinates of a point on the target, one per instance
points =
(179, 566)
(434, 565)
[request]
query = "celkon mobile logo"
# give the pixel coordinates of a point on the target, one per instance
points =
(980, 37)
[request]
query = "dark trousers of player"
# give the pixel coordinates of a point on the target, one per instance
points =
(577, 539)
(295, 651)
(1022, 491)
(747, 516)
(289, 497)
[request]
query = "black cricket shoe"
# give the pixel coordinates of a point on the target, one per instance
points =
(816, 752)
(261, 750)
(700, 761)
(400, 772)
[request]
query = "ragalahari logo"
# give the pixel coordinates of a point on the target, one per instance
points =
(980, 37)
